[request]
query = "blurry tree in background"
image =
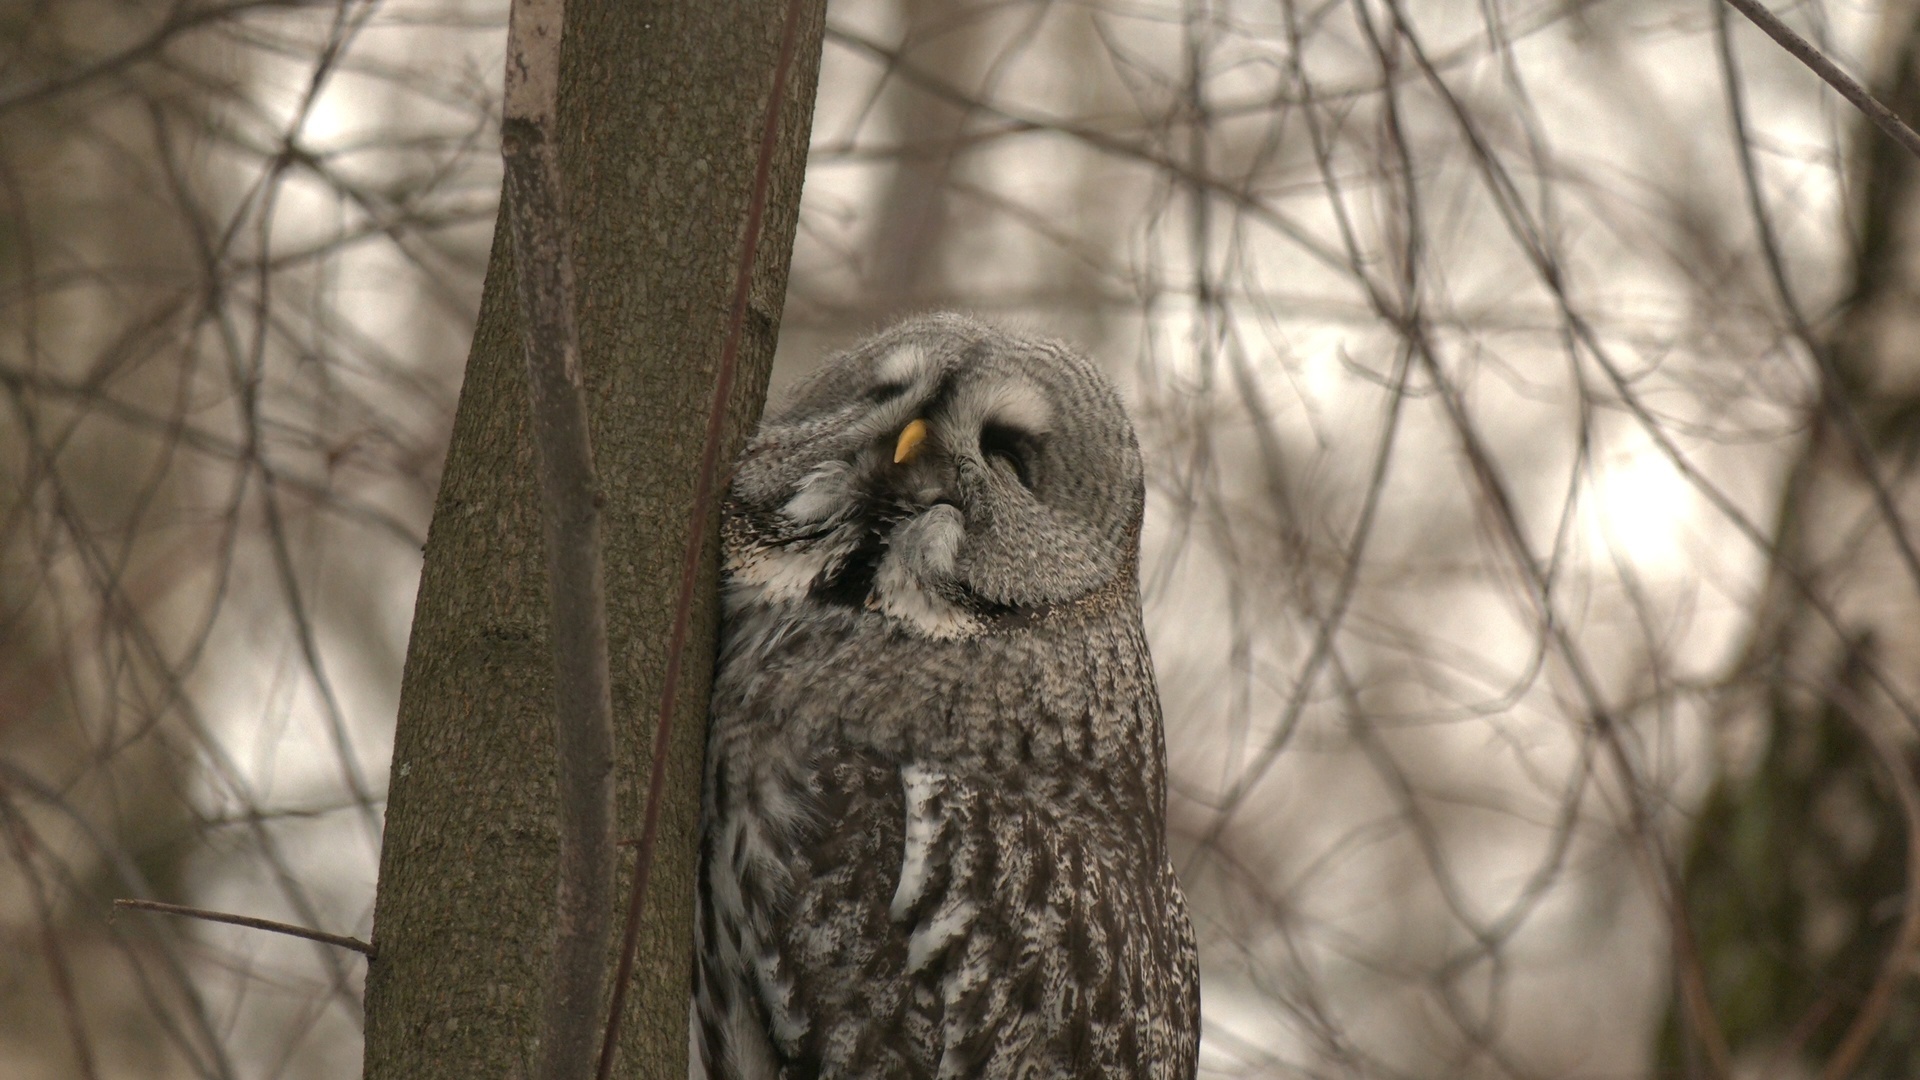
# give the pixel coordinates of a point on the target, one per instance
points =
(1529, 390)
(1799, 877)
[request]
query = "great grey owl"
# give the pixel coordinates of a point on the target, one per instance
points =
(934, 817)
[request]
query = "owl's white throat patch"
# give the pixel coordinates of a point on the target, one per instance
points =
(921, 555)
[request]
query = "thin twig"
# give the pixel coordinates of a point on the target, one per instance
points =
(1804, 51)
(570, 500)
(288, 929)
(1538, 580)
(703, 500)
(184, 20)
(59, 969)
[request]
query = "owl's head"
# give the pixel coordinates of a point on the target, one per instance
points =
(944, 474)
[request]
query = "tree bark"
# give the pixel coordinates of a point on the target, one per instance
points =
(661, 113)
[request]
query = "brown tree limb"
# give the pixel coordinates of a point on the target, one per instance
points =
(703, 500)
(1804, 51)
(251, 922)
(570, 497)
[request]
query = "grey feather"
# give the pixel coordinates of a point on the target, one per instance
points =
(934, 814)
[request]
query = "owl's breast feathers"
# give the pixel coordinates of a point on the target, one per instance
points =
(910, 920)
(941, 858)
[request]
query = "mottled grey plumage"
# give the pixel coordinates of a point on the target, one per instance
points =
(934, 820)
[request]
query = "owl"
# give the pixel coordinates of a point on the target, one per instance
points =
(934, 836)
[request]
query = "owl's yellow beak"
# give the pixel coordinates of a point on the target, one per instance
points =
(911, 438)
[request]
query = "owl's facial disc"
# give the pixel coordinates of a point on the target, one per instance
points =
(943, 474)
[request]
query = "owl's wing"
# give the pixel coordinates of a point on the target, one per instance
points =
(834, 986)
(941, 924)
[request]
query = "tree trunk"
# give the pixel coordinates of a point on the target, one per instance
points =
(661, 117)
(1798, 866)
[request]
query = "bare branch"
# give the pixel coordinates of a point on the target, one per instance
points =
(1803, 50)
(321, 936)
(184, 19)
